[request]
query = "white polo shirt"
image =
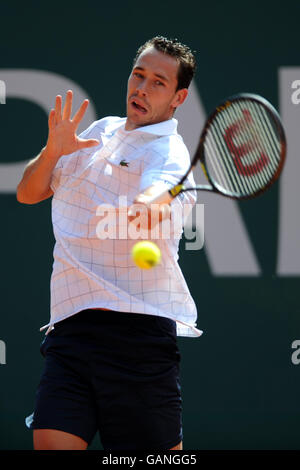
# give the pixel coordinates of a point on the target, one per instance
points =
(93, 272)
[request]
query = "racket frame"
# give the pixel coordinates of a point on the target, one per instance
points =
(200, 152)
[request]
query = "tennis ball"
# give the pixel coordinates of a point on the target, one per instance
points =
(146, 254)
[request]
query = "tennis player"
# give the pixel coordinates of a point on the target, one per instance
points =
(112, 362)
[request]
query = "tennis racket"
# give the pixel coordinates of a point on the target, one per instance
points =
(242, 150)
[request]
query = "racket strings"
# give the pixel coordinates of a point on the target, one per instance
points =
(258, 125)
(220, 169)
(271, 140)
(254, 150)
(241, 185)
(250, 157)
(242, 148)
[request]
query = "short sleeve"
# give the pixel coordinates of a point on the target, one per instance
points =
(163, 169)
(168, 163)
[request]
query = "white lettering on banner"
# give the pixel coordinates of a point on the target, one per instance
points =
(289, 220)
(39, 87)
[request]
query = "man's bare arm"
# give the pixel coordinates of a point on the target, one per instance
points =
(62, 140)
(35, 184)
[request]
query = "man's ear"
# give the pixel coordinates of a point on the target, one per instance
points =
(180, 97)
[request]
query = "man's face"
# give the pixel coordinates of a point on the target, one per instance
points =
(151, 91)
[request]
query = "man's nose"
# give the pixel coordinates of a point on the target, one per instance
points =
(143, 87)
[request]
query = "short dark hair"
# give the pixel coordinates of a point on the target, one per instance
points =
(181, 52)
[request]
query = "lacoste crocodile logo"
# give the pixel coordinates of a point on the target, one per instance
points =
(123, 163)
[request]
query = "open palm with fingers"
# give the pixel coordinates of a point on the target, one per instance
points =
(62, 137)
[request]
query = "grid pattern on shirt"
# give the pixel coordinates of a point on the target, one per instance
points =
(89, 272)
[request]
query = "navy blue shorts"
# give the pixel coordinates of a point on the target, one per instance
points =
(116, 373)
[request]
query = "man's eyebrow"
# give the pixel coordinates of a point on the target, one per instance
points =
(156, 74)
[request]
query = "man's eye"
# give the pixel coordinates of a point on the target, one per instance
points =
(158, 82)
(138, 75)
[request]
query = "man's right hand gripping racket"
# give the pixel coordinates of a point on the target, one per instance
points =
(242, 150)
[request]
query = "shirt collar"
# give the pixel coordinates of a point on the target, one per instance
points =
(161, 128)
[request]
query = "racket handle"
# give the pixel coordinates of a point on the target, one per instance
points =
(166, 196)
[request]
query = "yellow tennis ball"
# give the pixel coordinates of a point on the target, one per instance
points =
(146, 254)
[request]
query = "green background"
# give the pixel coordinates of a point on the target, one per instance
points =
(240, 388)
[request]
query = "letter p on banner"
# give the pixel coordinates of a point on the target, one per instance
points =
(2, 92)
